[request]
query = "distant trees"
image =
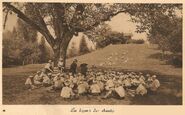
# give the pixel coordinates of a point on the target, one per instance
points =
(163, 23)
(45, 53)
(135, 41)
(83, 48)
(17, 51)
(20, 46)
(72, 51)
(168, 34)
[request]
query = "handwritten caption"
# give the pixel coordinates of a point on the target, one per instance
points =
(94, 110)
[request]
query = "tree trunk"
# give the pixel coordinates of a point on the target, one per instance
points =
(64, 47)
(64, 53)
(60, 49)
(23, 62)
(56, 51)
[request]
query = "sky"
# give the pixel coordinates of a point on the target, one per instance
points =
(119, 23)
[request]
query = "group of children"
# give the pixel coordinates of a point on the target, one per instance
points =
(95, 82)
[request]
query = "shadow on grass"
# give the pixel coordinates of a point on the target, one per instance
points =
(169, 59)
(169, 93)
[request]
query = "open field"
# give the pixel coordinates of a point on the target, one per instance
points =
(128, 57)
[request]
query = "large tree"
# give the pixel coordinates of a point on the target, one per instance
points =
(66, 20)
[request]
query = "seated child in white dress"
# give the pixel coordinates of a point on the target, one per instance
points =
(38, 78)
(141, 89)
(67, 92)
(95, 89)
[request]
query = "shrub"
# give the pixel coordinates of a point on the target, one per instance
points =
(135, 41)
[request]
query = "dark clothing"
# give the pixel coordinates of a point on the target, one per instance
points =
(73, 68)
(84, 69)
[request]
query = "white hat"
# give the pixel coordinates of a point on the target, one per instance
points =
(30, 76)
(49, 74)
(147, 74)
(154, 76)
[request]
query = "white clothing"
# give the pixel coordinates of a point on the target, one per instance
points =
(66, 92)
(46, 80)
(101, 85)
(95, 88)
(28, 81)
(127, 82)
(58, 84)
(82, 88)
(141, 90)
(120, 91)
(110, 83)
(155, 85)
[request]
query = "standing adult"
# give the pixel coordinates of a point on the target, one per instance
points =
(84, 69)
(73, 67)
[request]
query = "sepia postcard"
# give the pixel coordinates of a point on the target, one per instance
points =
(92, 57)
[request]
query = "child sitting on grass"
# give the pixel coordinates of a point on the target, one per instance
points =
(154, 84)
(141, 89)
(95, 89)
(38, 78)
(47, 81)
(67, 92)
(29, 83)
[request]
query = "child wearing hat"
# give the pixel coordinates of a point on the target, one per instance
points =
(141, 89)
(67, 92)
(94, 88)
(120, 91)
(155, 84)
(127, 82)
(109, 87)
(38, 78)
(29, 83)
(58, 84)
(82, 87)
(47, 81)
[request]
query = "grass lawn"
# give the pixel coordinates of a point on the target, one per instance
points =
(129, 57)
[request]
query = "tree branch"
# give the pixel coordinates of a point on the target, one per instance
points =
(22, 16)
(6, 16)
(107, 18)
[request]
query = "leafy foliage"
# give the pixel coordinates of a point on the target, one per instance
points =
(18, 49)
(135, 41)
(83, 49)
(72, 51)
